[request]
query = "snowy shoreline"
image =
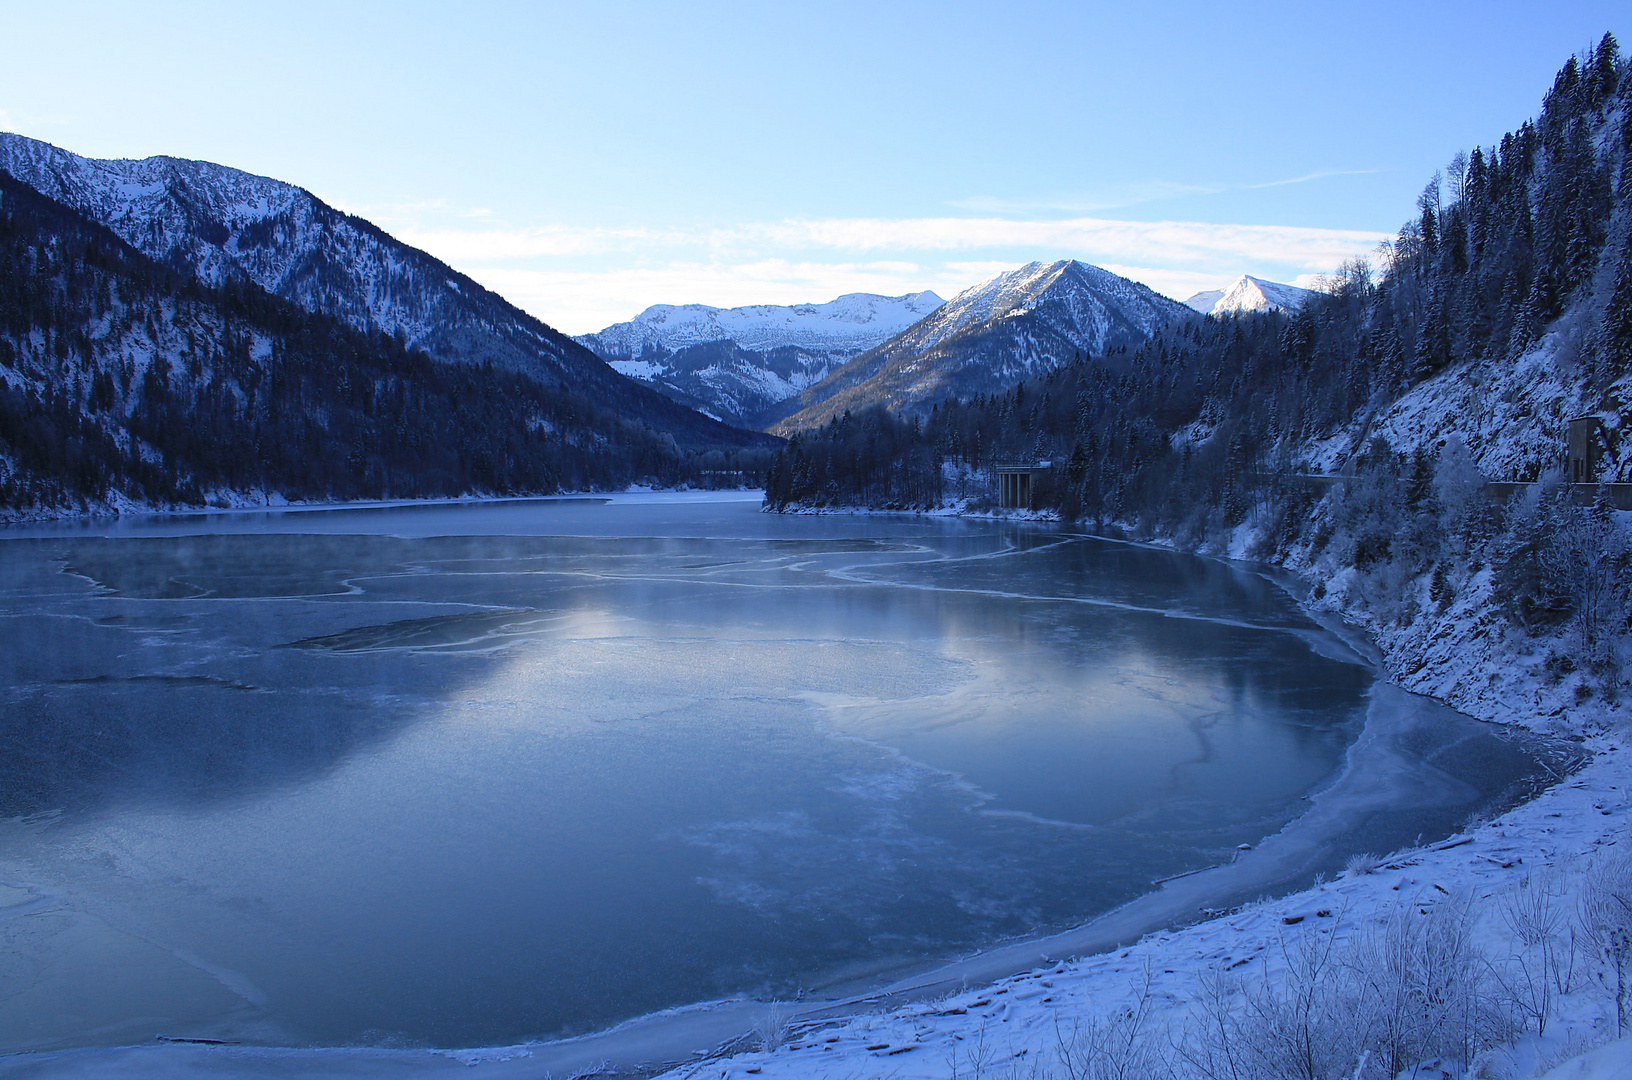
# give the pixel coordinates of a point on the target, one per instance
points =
(114, 521)
(921, 1024)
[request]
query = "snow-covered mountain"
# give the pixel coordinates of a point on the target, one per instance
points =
(1248, 293)
(222, 224)
(853, 323)
(1019, 324)
(735, 363)
(176, 393)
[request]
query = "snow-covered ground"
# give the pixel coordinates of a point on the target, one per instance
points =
(1512, 416)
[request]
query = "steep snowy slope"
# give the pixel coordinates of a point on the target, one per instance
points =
(737, 363)
(1205, 301)
(1019, 324)
(223, 225)
(1513, 416)
(1248, 293)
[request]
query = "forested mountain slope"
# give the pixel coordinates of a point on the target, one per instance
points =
(1020, 324)
(225, 226)
(127, 383)
(1502, 309)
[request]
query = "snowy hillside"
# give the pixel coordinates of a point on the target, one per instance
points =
(1018, 325)
(736, 363)
(1248, 293)
(180, 394)
(1511, 416)
(222, 225)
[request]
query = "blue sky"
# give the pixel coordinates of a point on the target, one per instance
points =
(588, 159)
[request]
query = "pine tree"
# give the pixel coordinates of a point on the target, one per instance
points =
(1428, 219)
(1602, 73)
(1615, 333)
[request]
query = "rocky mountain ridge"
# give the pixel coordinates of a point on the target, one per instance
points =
(126, 385)
(223, 225)
(736, 364)
(1020, 324)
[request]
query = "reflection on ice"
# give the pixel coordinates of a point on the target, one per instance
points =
(465, 776)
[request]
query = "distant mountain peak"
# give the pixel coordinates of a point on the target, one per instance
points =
(1247, 293)
(737, 363)
(854, 322)
(1020, 324)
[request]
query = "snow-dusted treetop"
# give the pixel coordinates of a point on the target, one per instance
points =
(1248, 293)
(853, 323)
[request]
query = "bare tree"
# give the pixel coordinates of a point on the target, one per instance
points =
(1457, 173)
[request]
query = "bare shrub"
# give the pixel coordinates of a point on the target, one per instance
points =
(1536, 912)
(1587, 563)
(1412, 989)
(1123, 1045)
(974, 1060)
(1361, 863)
(1298, 1026)
(1424, 991)
(771, 1027)
(1212, 1047)
(1606, 924)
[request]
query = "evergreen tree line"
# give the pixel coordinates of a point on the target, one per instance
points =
(1203, 427)
(1209, 411)
(120, 378)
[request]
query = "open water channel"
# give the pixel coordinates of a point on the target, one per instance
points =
(471, 775)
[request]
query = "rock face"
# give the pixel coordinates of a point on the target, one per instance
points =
(1016, 326)
(738, 363)
(1248, 293)
(220, 225)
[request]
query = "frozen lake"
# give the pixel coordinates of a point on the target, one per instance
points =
(469, 775)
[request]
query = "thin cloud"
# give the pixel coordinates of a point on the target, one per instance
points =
(1175, 243)
(1313, 176)
(1146, 243)
(1119, 196)
(1109, 198)
(578, 303)
(585, 278)
(547, 242)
